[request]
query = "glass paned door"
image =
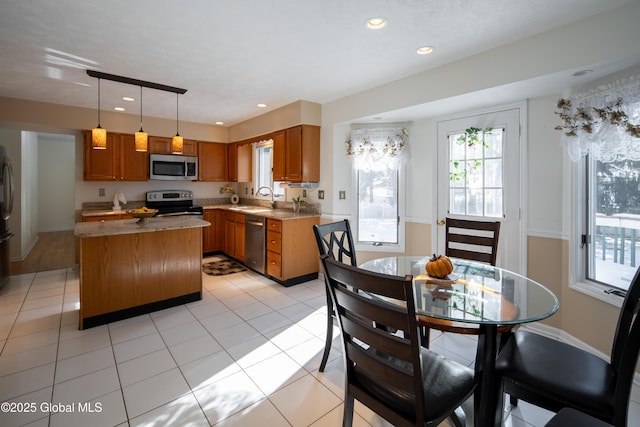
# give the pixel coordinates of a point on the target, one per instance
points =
(479, 178)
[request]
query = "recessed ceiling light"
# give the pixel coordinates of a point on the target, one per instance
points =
(376, 23)
(219, 123)
(424, 50)
(118, 108)
(128, 99)
(262, 105)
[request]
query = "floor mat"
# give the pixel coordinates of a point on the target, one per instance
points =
(222, 267)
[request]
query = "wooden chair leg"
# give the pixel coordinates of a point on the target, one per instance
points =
(329, 338)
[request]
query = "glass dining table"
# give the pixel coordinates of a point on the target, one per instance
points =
(477, 294)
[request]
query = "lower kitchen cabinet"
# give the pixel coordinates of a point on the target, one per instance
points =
(213, 235)
(292, 254)
(234, 230)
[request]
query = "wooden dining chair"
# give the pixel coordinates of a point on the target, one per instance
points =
(554, 375)
(391, 373)
(333, 239)
(472, 240)
(475, 241)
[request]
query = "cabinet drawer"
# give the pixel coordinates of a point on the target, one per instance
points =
(274, 264)
(274, 225)
(274, 241)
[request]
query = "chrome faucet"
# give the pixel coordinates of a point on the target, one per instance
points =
(273, 202)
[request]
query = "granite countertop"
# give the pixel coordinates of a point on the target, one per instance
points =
(131, 226)
(104, 212)
(282, 214)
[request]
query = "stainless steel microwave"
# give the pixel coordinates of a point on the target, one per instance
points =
(172, 167)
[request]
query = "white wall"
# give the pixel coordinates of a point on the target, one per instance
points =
(56, 182)
(28, 194)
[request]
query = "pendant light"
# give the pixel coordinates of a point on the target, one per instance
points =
(177, 142)
(98, 134)
(141, 136)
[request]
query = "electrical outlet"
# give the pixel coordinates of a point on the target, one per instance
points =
(304, 193)
(320, 194)
(101, 192)
(342, 195)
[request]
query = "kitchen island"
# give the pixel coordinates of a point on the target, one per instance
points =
(129, 268)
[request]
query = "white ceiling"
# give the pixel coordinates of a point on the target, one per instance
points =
(231, 55)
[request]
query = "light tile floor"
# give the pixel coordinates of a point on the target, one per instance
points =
(246, 355)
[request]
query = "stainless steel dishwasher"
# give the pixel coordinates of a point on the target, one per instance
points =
(255, 250)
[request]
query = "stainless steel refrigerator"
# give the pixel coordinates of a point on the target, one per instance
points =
(6, 206)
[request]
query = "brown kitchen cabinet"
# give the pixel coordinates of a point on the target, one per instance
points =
(296, 154)
(292, 256)
(244, 164)
(232, 164)
(118, 162)
(234, 231)
(162, 145)
(213, 235)
(213, 161)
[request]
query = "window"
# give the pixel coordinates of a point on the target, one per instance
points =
(263, 155)
(379, 185)
(475, 173)
(611, 241)
(378, 213)
(600, 131)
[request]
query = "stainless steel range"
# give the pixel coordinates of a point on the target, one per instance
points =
(173, 203)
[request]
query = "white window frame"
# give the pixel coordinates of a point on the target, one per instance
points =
(384, 247)
(256, 168)
(577, 253)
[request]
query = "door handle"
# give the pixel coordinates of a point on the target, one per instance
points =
(441, 222)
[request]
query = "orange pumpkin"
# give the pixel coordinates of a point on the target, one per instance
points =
(439, 266)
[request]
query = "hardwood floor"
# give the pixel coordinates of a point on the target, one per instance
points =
(53, 251)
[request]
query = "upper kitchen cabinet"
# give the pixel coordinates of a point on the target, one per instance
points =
(118, 162)
(296, 154)
(240, 161)
(162, 145)
(243, 164)
(134, 165)
(233, 161)
(213, 161)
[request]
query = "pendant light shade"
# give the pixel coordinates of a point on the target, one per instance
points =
(141, 136)
(177, 142)
(98, 134)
